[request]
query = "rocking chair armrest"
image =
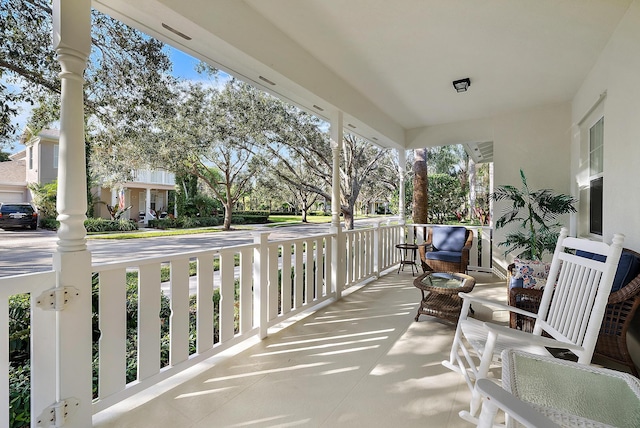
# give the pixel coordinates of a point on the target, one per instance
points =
(512, 405)
(530, 338)
(493, 303)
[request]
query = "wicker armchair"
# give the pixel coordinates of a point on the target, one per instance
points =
(446, 249)
(612, 338)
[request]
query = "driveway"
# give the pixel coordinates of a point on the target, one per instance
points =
(27, 251)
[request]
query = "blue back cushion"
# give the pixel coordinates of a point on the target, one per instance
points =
(628, 267)
(449, 238)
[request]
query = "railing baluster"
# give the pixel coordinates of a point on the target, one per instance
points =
(309, 275)
(319, 267)
(276, 292)
(112, 376)
(299, 269)
(227, 295)
(246, 296)
(148, 320)
(204, 296)
(287, 286)
(328, 284)
(179, 320)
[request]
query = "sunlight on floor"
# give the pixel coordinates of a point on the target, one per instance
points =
(362, 361)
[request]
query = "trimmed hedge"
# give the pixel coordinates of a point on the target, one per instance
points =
(249, 217)
(96, 225)
(184, 222)
(102, 225)
(239, 217)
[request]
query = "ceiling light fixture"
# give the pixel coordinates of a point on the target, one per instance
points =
(264, 79)
(174, 31)
(462, 85)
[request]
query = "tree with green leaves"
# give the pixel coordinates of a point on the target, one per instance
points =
(288, 182)
(127, 80)
(296, 138)
(535, 212)
(44, 198)
(213, 136)
(446, 197)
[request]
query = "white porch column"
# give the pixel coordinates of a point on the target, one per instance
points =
(337, 255)
(402, 166)
(72, 261)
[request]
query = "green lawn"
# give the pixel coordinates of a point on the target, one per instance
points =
(298, 219)
(150, 234)
(274, 220)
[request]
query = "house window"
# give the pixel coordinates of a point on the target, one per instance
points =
(31, 157)
(55, 155)
(596, 176)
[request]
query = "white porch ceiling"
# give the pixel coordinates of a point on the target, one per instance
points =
(389, 65)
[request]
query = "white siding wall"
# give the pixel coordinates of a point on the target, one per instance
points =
(616, 69)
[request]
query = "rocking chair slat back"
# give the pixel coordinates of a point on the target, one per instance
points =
(568, 304)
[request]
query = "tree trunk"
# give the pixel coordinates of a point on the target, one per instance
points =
(304, 214)
(347, 214)
(472, 189)
(420, 187)
(227, 216)
(228, 204)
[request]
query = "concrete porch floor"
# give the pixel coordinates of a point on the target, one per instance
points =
(359, 362)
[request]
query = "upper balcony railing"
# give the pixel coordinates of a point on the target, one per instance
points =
(154, 177)
(156, 317)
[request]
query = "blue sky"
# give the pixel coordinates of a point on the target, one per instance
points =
(183, 64)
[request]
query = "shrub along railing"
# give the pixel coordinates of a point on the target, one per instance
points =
(154, 318)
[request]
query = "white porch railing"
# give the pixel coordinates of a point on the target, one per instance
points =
(154, 177)
(251, 288)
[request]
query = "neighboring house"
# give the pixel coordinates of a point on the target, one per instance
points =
(38, 163)
(147, 193)
(13, 182)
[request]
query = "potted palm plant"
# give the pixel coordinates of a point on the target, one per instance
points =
(536, 213)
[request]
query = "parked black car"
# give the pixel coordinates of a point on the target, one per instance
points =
(18, 215)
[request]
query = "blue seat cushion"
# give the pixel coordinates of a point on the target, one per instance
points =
(628, 267)
(515, 283)
(449, 238)
(445, 256)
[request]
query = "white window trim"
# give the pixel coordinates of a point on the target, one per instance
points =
(591, 118)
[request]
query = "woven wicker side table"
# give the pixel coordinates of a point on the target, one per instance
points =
(440, 294)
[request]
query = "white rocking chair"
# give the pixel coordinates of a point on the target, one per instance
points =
(570, 312)
(566, 394)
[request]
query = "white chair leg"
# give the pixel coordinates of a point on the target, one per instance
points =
(483, 370)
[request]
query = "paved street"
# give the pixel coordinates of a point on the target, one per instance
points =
(26, 251)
